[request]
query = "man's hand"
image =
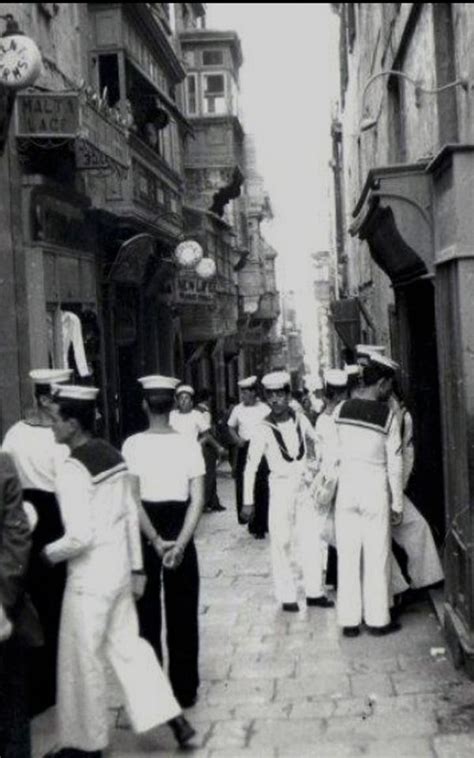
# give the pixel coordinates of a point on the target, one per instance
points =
(6, 627)
(396, 518)
(247, 513)
(173, 557)
(138, 584)
(162, 546)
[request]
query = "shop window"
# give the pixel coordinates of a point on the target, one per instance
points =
(109, 77)
(189, 58)
(212, 58)
(214, 94)
(191, 94)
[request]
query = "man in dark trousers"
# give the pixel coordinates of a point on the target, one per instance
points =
(15, 544)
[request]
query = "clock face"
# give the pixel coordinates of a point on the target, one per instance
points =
(20, 61)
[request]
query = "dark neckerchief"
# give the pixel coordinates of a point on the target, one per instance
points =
(273, 424)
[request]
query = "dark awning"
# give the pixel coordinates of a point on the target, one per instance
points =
(393, 216)
(346, 320)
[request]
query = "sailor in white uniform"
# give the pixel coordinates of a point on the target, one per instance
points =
(101, 546)
(245, 418)
(414, 534)
(37, 456)
(169, 469)
(284, 440)
(369, 497)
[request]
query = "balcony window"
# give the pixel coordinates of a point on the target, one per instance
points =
(108, 73)
(212, 58)
(214, 94)
(191, 94)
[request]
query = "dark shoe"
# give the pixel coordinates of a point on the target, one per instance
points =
(259, 535)
(188, 702)
(182, 730)
(218, 507)
(350, 631)
(382, 631)
(319, 602)
(290, 607)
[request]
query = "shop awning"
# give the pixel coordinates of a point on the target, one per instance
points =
(393, 215)
(346, 317)
(346, 320)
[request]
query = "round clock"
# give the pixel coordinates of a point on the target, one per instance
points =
(20, 61)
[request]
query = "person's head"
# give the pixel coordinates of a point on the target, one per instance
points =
(248, 390)
(74, 413)
(335, 385)
(43, 398)
(379, 376)
(184, 398)
(158, 402)
(42, 386)
(158, 394)
(277, 392)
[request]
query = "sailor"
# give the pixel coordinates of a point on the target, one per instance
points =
(185, 418)
(170, 470)
(369, 497)
(242, 423)
(36, 455)
(213, 452)
(414, 535)
(335, 392)
(284, 439)
(354, 374)
(101, 545)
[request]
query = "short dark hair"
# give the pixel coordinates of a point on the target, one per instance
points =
(159, 402)
(372, 374)
(79, 410)
(42, 390)
(330, 392)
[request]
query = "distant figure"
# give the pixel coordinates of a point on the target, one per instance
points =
(213, 451)
(243, 423)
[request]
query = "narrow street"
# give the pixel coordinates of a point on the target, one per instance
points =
(281, 685)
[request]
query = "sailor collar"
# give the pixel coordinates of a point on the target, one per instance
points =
(272, 423)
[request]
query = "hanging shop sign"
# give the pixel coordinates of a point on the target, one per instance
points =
(191, 289)
(98, 140)
(20, 61)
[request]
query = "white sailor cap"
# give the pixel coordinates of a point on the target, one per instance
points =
(382, 360)
(335, 377)
(248, 384)
(50, 375)
(185, 388)
(158, 382)
(370, 349)
(352, 369)
(75, 392)
(276, 380)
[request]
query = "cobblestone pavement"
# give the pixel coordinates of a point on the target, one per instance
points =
(280, 685)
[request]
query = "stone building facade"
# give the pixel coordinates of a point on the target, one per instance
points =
(106, 167)
(406, 134)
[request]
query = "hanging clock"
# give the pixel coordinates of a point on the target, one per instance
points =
(20, 61)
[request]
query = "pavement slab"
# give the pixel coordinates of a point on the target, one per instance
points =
(277, 685)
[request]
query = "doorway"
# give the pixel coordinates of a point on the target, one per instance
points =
(415, 306)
